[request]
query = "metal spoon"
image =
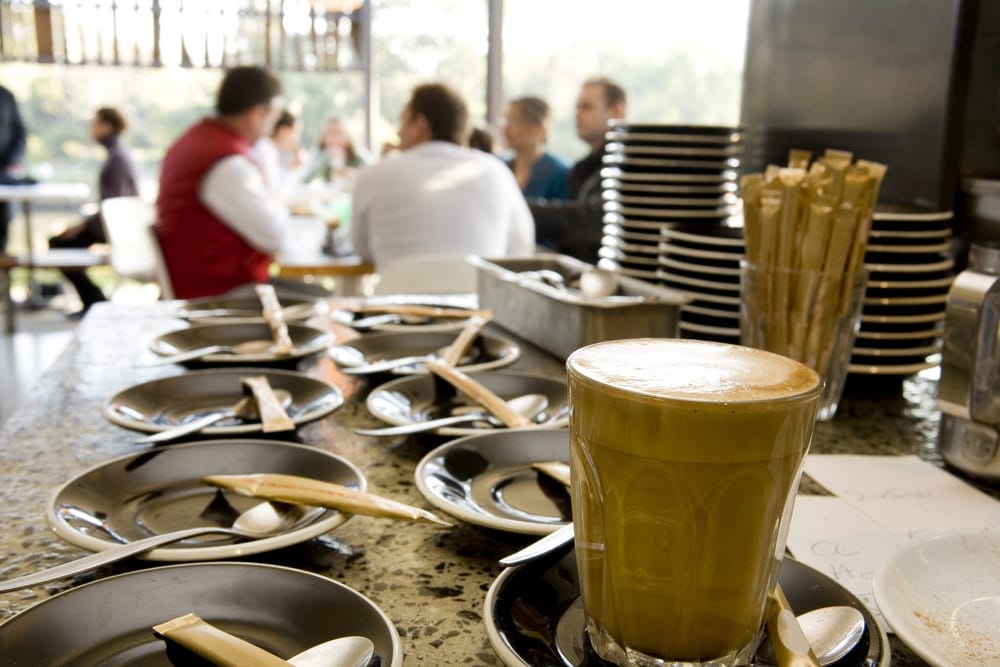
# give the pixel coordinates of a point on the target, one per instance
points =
(833, 632)
(246, 347)
(261, 520)
(390, 364)
(354, 651)
(529, 405)
(245, 408)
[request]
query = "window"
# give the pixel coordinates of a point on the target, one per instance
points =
(679, 61)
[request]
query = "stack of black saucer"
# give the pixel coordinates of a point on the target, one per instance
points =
(658, 176)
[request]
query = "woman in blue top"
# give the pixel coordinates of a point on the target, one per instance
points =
(539, 173)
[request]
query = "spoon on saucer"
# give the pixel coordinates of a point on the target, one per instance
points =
(528, 405)
(222, 648)
(833, 632)
(261, 520)
(245, 408)
(245, 347)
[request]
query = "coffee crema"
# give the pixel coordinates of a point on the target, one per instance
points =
(693, 370)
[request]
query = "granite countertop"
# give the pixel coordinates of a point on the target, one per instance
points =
(430, 581)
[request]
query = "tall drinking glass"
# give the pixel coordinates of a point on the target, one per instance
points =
(685, 459)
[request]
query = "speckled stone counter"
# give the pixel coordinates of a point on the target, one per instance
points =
(431, 582)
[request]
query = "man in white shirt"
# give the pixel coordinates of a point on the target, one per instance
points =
(438, 197)
(217, 222)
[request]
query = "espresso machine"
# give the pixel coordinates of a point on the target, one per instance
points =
(969, 390)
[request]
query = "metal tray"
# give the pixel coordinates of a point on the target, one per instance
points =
(560, 320)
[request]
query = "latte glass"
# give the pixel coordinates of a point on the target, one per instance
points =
(685, 459)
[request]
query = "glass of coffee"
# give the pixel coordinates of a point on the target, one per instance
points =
(685, 457)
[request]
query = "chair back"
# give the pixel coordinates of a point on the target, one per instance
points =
(427, 274)
(135, 250)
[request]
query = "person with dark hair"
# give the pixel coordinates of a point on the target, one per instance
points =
(481, 138)
(217, 222)
(278, 153)
(538, 172)
(12, 142)
(573, 226)
(438, 196)
(117, 178)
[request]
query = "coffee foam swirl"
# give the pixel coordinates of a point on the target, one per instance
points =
(693, 370)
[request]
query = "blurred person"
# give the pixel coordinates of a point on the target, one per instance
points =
(278, 153)
(539, 173)
(12, 143)
(438, 196)
(217, 223)
(336, 154)
(481, 138)
(117, 178)
(573, 227)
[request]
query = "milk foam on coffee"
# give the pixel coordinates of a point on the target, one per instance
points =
(695, 371)
(684, 458)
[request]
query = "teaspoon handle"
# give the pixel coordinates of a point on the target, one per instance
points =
(184, 429)
(420, 427)
(387, 365)
(111, 555)
(552, 542)
(189, 355)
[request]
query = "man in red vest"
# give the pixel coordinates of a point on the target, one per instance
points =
(218, 223)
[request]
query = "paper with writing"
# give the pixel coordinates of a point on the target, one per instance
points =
(904, 493)
(842, 542)
(882, 503)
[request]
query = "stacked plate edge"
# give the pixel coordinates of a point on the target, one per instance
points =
(658, 176)
(703, 261)
(910, 272)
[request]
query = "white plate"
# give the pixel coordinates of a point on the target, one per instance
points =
(150, 493)
(487, 480)
(412, 399)
(109, 621)
(942, 598)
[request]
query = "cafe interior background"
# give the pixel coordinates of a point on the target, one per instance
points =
(921, 78)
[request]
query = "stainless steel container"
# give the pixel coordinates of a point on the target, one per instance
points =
(969, 391)
(559, 319)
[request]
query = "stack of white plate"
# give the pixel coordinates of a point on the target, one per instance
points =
(703, 260)
(657, 176)
(911, 271)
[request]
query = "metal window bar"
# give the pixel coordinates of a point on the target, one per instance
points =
(303, 35)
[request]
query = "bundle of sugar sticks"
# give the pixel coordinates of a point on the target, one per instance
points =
(806, 217)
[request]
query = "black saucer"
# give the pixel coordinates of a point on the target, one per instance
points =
(533, 615)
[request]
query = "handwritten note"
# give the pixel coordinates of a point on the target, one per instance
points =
(905, 494)
(842, 542)
(882, 503)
